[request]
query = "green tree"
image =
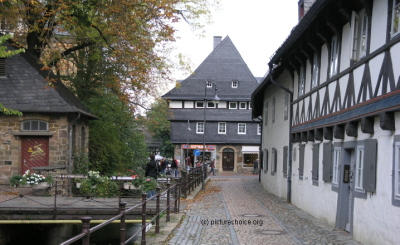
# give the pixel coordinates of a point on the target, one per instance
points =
(4, 53)
(156, 121)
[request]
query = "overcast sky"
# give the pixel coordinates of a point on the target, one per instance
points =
(257, 28)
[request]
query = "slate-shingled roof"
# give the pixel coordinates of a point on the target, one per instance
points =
(222, 66)
(25, 89)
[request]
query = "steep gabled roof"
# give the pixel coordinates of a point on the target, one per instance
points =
(222, 66)
(25, 89)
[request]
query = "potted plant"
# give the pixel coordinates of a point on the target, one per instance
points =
(15, 180)
(78, 182)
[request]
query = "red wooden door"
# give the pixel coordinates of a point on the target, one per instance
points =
(228, 161)
(35, 152)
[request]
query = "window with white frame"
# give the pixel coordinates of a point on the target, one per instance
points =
(360, 34)
(336, 164)
(200, 128)
(259, 129)
(286, 107)
(315, 71)
(397, 171)
(241, 128)
(242, 105)
(232, 105)
(211, 104)
(235, 84)
(396, 17)
(249, 105)
(199, 104)
(35, 125)
(334, 58)
(302, 80)
(221, 128)
(359, 169)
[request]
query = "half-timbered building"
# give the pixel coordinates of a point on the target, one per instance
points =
(330, 107)
(223, 128)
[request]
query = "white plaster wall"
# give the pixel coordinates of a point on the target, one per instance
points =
(376, 220)
(276, 135)
(378, 24)
(175, 104)
(395, 53)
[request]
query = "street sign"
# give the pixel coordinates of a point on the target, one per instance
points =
(196, 152)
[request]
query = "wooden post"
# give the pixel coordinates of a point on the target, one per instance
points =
(158, 210)
(168, 192)
(144, 195)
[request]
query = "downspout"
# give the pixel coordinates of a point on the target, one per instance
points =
(289, 176)
(70, 152)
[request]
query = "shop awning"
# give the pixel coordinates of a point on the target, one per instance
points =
(250, 149)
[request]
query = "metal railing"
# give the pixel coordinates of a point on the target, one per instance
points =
(84, 236)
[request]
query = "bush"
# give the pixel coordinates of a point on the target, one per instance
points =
(107, 189)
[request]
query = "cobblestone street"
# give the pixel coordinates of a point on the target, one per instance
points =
(236, 210)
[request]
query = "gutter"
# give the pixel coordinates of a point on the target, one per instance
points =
(289, 175)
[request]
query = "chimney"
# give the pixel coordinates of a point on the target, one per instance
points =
(304, 6)
(217, 40)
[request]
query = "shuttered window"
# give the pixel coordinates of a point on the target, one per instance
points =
(315, 164)
(327, 162)
(285, 161)
(265, 160)
(369, 175)
(274, 161)
(359, 169)
(301, 161)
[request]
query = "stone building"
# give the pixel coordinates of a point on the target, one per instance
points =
(54, 124)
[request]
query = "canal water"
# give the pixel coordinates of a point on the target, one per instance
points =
(52, 234)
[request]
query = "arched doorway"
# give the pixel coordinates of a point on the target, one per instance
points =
(228, 159)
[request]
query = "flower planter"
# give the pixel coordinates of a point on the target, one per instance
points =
(78, 185)
(42, 185)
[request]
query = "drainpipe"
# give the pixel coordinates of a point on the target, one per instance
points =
(289, 176)
(70, 152)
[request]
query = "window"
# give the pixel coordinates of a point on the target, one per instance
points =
(360, 34)
(273, 109)
(2, 67)
(232, 105)
(265, 160)
(222, 128)
(336, 164)
(211, 104)
(209, 84)
(315, 164)
(396, 17)
(315, 71)
(359, 169)
(199, 104)
(334, 57)
(249, 105)
(258, 129)
(397, 172)
(235, 84)
(242, 105)
(200, 128)
(286, 107)
(274, 161)
(241, 128)
(35, 125)
(266, 114)
(302, 80)
(285, 161)
(301, 160)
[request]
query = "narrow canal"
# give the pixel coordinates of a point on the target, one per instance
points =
(51, 234)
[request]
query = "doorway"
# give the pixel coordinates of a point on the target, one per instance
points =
(35, 152)
(228, 159)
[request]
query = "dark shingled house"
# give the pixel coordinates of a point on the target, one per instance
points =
(226, 128)
(54, 124)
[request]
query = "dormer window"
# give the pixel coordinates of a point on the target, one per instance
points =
(209, 84)
(235, 84)
(2, 67)
(35, 125)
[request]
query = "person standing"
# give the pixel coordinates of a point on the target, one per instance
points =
(255, 171)
(163, 165)
(152, 170)
(212, 166)
(174, 167)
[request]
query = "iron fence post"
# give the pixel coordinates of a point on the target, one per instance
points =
(158, 210)
(144, 195)
(168, 192)
(85, 229)
(122, 227)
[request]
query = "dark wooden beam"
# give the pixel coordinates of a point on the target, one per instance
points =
(387, 121)
(310, 135)
(319, 134)
(352, 129)
(304, 136)
(367, 125)
(328, 133)
(338, 131)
